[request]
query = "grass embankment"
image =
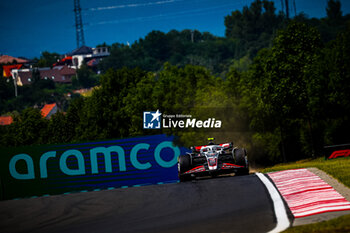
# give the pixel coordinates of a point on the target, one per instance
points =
(340, 170)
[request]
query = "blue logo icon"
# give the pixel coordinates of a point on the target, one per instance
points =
(151, 120)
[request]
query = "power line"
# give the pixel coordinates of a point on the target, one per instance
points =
(132, 5)
(191, 12)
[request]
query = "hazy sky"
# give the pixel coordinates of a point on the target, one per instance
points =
(31, 27)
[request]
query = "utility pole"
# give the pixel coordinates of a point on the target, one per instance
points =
(285, 3)
(15, 77)
(79, 24)
(287, 8)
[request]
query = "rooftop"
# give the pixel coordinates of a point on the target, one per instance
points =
(81, 51)
(47, 109)
(60, 74)
(6, 120)
(5, 59)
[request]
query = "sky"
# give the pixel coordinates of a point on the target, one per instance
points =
(29, 28)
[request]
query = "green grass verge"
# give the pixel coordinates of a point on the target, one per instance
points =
(341, 224)
(339, 169)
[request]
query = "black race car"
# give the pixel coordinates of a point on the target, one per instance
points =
(213, 159)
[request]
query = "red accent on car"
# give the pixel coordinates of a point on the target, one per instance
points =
(196, 169)
(230, 165)
(225, 144)
(198, 147)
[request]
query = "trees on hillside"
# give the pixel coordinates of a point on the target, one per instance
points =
(334, 71)
(285, 104)
(47, 59)
(85, 78)
(255, 26)
(282, 82)
(334, 13)
(247, 31)
(295, 104)
(178, 48)
(28, 128)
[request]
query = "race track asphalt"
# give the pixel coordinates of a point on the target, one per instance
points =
(223, 204)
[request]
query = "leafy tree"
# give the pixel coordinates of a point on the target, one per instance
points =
(254, 26)
(85, 77)
(57, 130)
(282, 80)
(242, 64)
(73, 118)
(6, 93)
(104, 44)
(156, 45)
(138, 100)
(334, 73)
(283, 104)
(334, 13)
(47, 59)
(35, 76)
(102, 115)
(28, 128)
(175, 47)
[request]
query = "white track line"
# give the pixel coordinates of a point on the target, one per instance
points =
(280, 210)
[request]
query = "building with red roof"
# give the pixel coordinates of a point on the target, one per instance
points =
(64, 61)
(48, 110)
(6, 59)
(6, 120)
(8, 68)
(85, 54)
(9, 63)
(58, 74)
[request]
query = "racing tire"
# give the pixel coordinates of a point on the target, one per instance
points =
(240, 156)
(183, 166)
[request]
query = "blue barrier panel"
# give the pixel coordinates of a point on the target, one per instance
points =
(56, 169)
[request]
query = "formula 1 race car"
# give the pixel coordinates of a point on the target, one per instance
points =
(213, 159)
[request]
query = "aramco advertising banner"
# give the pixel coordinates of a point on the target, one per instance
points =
(57, 169)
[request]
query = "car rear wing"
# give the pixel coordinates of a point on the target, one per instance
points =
(226, 146)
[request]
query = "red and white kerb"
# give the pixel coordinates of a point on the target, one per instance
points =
(307, 194)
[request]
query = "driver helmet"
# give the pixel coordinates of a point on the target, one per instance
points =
(211, 141)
